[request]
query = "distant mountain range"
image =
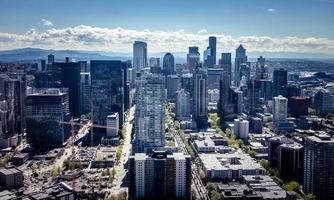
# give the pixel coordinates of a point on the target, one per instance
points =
(34, 54)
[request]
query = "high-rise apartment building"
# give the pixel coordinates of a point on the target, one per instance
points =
(182, 105)
(160, 176)
(280, 109)
(150, 112)
(241, 128)
(319, 166)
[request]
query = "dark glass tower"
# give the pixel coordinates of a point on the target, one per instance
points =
(280, 80)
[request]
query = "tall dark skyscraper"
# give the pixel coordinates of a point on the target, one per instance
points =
(67, 75)
(226, 62)
(200, 110)
(210, 53)
(319, 166)
(280, 81)
(240, 58)
(168, 64)
(107, 89)
(193, 58)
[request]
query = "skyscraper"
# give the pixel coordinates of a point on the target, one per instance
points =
(173, 85)
(280, 109)
(139, 55)
(210, 53)
(319, 166)
(107, 79)
(240, 58)
(182, 105)
(45, 109)
(226, 62)
(168, 64)
(160, 176)
(200, 110)
(193, 58)
(150, 112)
(280, 80)
(85, 92)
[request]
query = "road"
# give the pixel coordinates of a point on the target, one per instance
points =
(201, 189)
(127, 146)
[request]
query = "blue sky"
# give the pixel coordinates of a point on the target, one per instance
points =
(235, 19)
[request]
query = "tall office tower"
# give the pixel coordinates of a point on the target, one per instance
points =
(12, 93)
(225, 105)
(107, 79)
(67, 75)
(150, 112)
(45, 109)
(173, 85)
(160, 176)
(280, 109)
(51, 58)
(244, 74)
(187, 83)
(112, 125)
(324, 102)
(266, 89)
(319, 166)
(168, 64)
(84, 67)
(182, 105)
(210, 53)
(127, 84)
(85, 92)
(214, 77)
(200, 110)
(154, 62)
(139, 55)
(261, 69)
(241, 128)
(291, 162)
(193, 58)
(255, 97)
(240, 58)
(226, 62)
(280, 80)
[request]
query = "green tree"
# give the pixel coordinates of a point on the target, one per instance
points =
(292, 186)
(193, 194)
(310, 197)
(215, 195)
(265, 164)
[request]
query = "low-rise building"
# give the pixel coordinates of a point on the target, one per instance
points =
(11, 178)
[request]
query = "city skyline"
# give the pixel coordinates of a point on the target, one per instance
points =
(276, 28)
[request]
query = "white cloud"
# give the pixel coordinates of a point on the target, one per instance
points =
(120, 40)
(202, 31)
(46, 22)
(271, 9)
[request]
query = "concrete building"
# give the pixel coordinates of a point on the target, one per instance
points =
(112, 125)
(182, 105)
(280, 109)
(11, 178)
(229, 166)
(160, 176)
(319, 166)
(150, 112)
(241, 128)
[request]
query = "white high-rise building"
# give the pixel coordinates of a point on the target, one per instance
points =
(112, 125)
(150, 112)
(280, 109)
(241, 128)
(139, 55)
(182, 105)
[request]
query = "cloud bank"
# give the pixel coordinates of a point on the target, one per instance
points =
(120, 40)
